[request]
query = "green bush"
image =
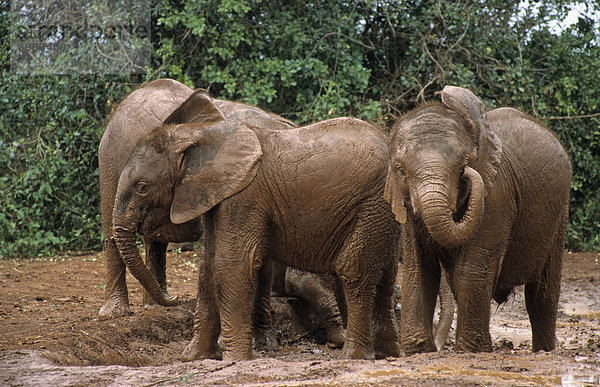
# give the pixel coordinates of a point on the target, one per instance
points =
(51, 127)
(308, 61)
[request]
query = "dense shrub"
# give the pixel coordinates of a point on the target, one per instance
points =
(373, 59)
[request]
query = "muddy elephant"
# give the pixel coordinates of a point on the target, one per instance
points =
(485, 195)
(310, 198)
(137, 115)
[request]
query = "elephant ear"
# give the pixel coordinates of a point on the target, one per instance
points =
(217, 161)
(393, 194)
(198, 108)
(489, 152)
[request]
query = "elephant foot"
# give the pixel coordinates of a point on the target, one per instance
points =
(473, 346)
(420, 346)
(197, 349)
(237, 355)
(114, 308)
(351, 351)
(388, 347)
(265, 341)
(336, 335)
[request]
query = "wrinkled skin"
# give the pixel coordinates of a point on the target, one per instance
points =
(310, 198)
(141, 112)
(485, 196)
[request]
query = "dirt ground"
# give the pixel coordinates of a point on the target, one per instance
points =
(50, 335)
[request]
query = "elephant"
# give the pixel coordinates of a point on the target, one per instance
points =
(310, 198)
(485, 195)
(136, 116)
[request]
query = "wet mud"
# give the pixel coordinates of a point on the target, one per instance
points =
(50, 334)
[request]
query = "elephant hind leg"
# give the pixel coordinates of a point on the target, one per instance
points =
(359, 334)
(541, 300)
(387, 340)
(446, 316)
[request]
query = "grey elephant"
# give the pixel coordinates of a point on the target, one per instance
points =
(483, 194)
(137, 115)
(311, 198)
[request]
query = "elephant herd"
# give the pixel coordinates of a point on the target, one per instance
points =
(457, 193)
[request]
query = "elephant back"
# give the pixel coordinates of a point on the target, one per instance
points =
(137, 115)
(252, 116)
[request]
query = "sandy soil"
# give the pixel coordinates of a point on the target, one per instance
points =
(50, 334)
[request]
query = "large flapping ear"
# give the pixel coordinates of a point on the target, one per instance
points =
(489, 152)
(223, 161)
(394, 194)
(198, 108)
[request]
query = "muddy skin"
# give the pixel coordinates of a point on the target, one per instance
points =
(269, 195)
(165, 101)
(138, 114)
(485, 196)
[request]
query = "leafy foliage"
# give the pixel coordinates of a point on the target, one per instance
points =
(308, 61)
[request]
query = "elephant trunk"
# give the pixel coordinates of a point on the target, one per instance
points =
(437, 211)
(124, 237)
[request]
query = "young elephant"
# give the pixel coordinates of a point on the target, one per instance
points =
(311, 198)
(485, 195)
(139, 113)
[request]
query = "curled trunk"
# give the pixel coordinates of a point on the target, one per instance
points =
(125, 240)
(438, 215)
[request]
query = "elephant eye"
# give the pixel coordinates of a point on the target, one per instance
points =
(142, 188)
(399, 169)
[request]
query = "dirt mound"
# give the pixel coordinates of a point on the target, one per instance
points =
(50, 333)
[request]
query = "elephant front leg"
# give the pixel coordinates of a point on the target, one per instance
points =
(473, 280)
(235, 288)
(419, 290)
(156, 261)
(116, 298)
(206, 319)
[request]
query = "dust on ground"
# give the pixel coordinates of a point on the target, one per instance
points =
(50, 334)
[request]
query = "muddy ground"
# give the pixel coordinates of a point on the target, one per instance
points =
(50, 335)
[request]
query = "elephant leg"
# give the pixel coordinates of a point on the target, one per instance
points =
(206, 318)
(386, 341)
(318, 291)
(419, 290)
(156, 261)
(473, 280)
(340, 296)
(446, 316)
(116, 298)
(261, 308)
(541, 300)
(359, 334)
(278, 285)
(235, 302)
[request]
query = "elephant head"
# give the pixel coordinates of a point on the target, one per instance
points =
(178, 172)
(443, 161)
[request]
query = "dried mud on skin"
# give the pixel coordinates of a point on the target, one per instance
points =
(50, 334)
